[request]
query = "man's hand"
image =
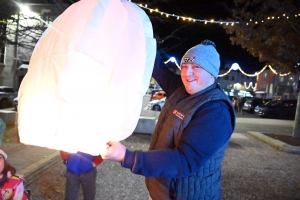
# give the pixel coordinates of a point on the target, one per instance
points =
(115, 151)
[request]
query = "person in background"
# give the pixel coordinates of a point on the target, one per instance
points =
(11, 185)
(233, 102)
(81, 171)
(239, 105)
(2, 130)
(192, 132)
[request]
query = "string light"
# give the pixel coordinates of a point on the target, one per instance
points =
(185, 18)
(250, 85)
(205, 21)
(256, 73)
(173, 60)
(231, 68)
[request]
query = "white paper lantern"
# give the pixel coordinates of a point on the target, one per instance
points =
(87, 77)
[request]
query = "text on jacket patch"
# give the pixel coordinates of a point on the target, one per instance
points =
(178, 114)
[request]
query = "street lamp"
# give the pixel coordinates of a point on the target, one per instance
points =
(25, 18)
(17, 41)
(25, 10)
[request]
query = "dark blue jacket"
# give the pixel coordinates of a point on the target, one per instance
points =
(80, 163)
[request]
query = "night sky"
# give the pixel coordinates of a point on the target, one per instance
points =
(189, 34)
(192, 33)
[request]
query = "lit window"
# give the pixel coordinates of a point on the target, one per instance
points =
(281, 79)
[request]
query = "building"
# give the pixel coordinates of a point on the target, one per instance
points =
(236, 83)
(20, 33)
(265, 85)
(274, 86)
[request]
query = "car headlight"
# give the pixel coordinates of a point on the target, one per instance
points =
(150, 104)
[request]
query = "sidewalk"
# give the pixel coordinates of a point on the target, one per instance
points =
(30, 161)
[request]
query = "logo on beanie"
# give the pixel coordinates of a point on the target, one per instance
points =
(188, 59)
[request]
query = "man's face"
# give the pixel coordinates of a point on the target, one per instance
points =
(195, 78)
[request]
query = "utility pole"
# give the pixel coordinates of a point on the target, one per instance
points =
(16, 52)
(17, 41)
(296, 130)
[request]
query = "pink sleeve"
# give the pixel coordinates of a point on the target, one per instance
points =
(18, 193)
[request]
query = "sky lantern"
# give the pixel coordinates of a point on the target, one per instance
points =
(87, 77)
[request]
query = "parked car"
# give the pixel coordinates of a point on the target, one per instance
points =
(159, 95)
(282, 109)
(15, 103)
(156, 104)
(243, 99)
(250, 104)
(7, 94)
(153, 92)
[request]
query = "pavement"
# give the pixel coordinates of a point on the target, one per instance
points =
(33, 162)
(30, 160)
(252, 169)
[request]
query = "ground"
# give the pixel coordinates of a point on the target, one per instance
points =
(248, 169)
(12, 136)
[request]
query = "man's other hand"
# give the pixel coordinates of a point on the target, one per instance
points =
(115, 151)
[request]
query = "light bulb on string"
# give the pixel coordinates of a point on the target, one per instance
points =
(235, 66)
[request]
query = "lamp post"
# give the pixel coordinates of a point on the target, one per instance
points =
(26, 10)
(22, 10)
(17, 40)
(235, 66)
(16, 51)
(296, 129)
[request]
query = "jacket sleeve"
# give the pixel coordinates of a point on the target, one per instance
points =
(19, 192)
(168, 80)
(208, 131)
(98, 160)
(64, 155)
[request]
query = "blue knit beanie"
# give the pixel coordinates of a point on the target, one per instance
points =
(205, 55)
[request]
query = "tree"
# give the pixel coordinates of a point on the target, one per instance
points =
(23, 28)
(6, 11)
(269, 30)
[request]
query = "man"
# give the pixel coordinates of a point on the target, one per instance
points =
(192, 132)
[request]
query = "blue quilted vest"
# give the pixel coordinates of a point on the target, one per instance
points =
(206, 182)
